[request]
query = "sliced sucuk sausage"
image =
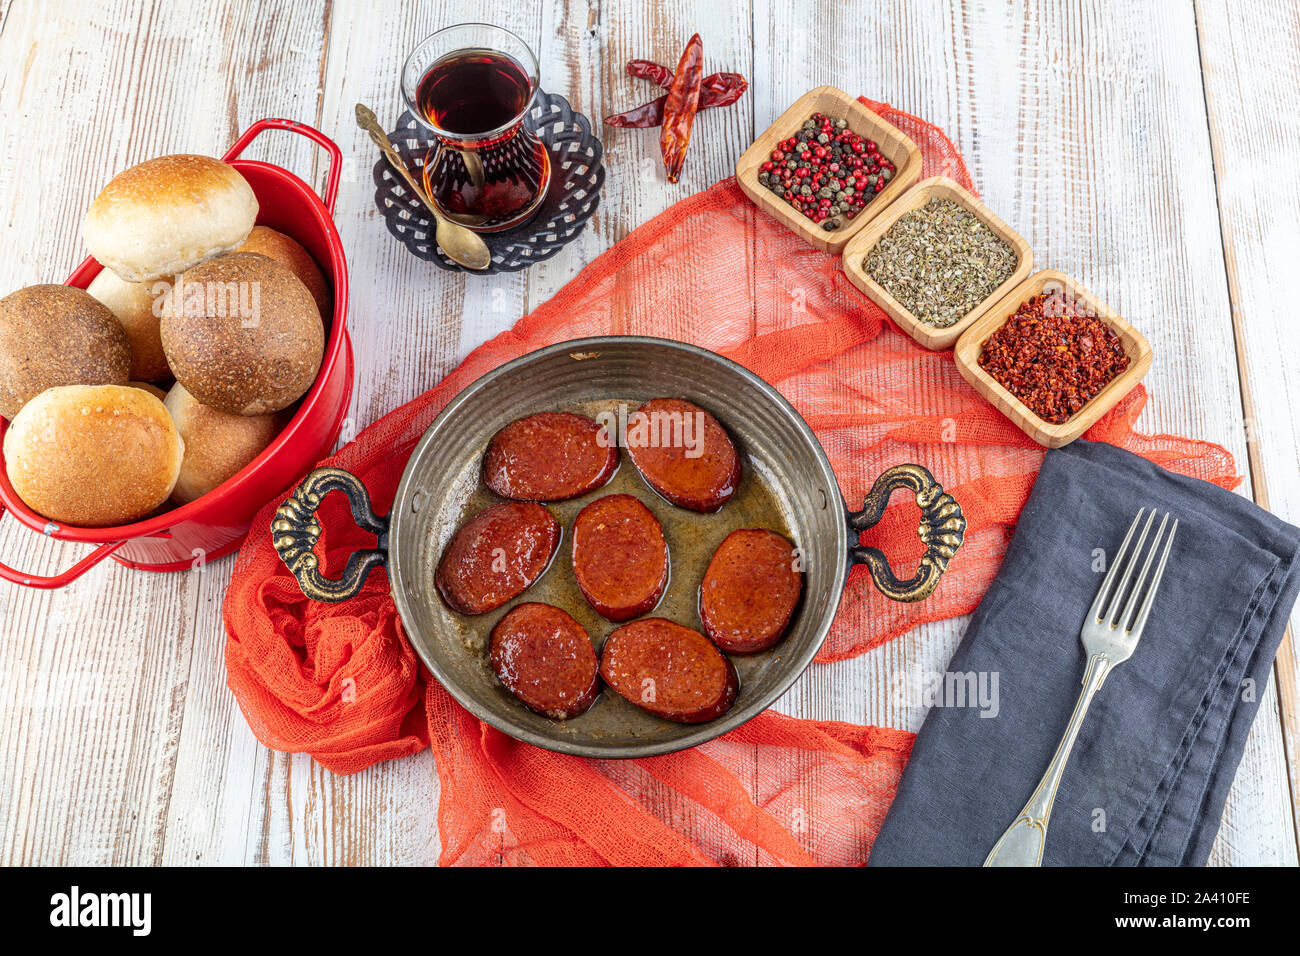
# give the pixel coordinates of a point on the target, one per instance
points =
(683, 453)
(620, 557)
(750, 590)
(544, 657)
(549, 457)
(496, 555)
(669, 670)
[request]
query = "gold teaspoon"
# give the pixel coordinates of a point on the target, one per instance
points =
(462, 245)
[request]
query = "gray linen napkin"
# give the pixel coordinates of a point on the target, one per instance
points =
(1149, 774)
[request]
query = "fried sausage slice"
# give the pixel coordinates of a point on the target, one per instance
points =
(545, 658)
(669, 670)
(750, 590)
(496, 556)
(620, 557)
(683, 453)
(549, 457)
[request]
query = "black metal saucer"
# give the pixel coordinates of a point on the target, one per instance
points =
(577, 175)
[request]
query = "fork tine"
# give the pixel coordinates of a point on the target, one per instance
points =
(1146, 566)
(1129, 565)
(1099, 602)
(1145, 611)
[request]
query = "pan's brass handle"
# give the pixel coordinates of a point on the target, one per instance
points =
(942, 529)
(295, 531)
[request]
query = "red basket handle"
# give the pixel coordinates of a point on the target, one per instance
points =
(315, 135)
(68, 576)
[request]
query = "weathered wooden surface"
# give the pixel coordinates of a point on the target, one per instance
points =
(1142, 148)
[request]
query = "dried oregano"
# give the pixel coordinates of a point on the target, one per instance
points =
(940, 261)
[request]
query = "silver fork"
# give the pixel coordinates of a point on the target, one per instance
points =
(1109, 639)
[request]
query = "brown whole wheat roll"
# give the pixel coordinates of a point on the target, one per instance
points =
(56, 335)
(243, 334)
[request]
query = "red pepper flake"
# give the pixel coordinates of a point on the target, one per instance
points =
(1055, 355)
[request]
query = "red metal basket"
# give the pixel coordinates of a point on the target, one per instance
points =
(216, 523)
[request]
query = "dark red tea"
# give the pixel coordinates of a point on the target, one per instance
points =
(473, 91)
(485, 173)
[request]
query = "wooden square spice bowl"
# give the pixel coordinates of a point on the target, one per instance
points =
(940, 187)
(837, 104)
(971, 344)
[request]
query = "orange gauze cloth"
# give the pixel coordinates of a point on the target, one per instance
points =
(341, 682)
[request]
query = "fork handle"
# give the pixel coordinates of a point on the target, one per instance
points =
(1022, 843)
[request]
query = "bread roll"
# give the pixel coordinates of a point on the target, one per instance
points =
(243, 335)
(93, 455)
(56, 335)
(138, 306)
(152, 389)
(167, 214)
(290, 253)
(217, 444)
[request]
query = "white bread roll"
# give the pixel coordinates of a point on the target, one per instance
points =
(217, 444)
(56, 335)
(243, 335)
(166, 214)
(138, 306)
(93, 455)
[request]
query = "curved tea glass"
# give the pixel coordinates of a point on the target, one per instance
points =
(472, 85)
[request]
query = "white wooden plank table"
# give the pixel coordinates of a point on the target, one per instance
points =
(1144, 148)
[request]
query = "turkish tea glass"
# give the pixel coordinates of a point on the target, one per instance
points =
(472, 85)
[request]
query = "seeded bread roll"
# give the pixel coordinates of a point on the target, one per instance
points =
(289, 252)
(93, 455)
(217, 444)
(56, 335)
(166, 214)
(138, 306)
(243, 335)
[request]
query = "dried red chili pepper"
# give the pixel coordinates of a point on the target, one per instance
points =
(683, 103)
(717, 84)
(643, 117)
(722, 89)
(717, 89)
(650, 70)
(1054, 355)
